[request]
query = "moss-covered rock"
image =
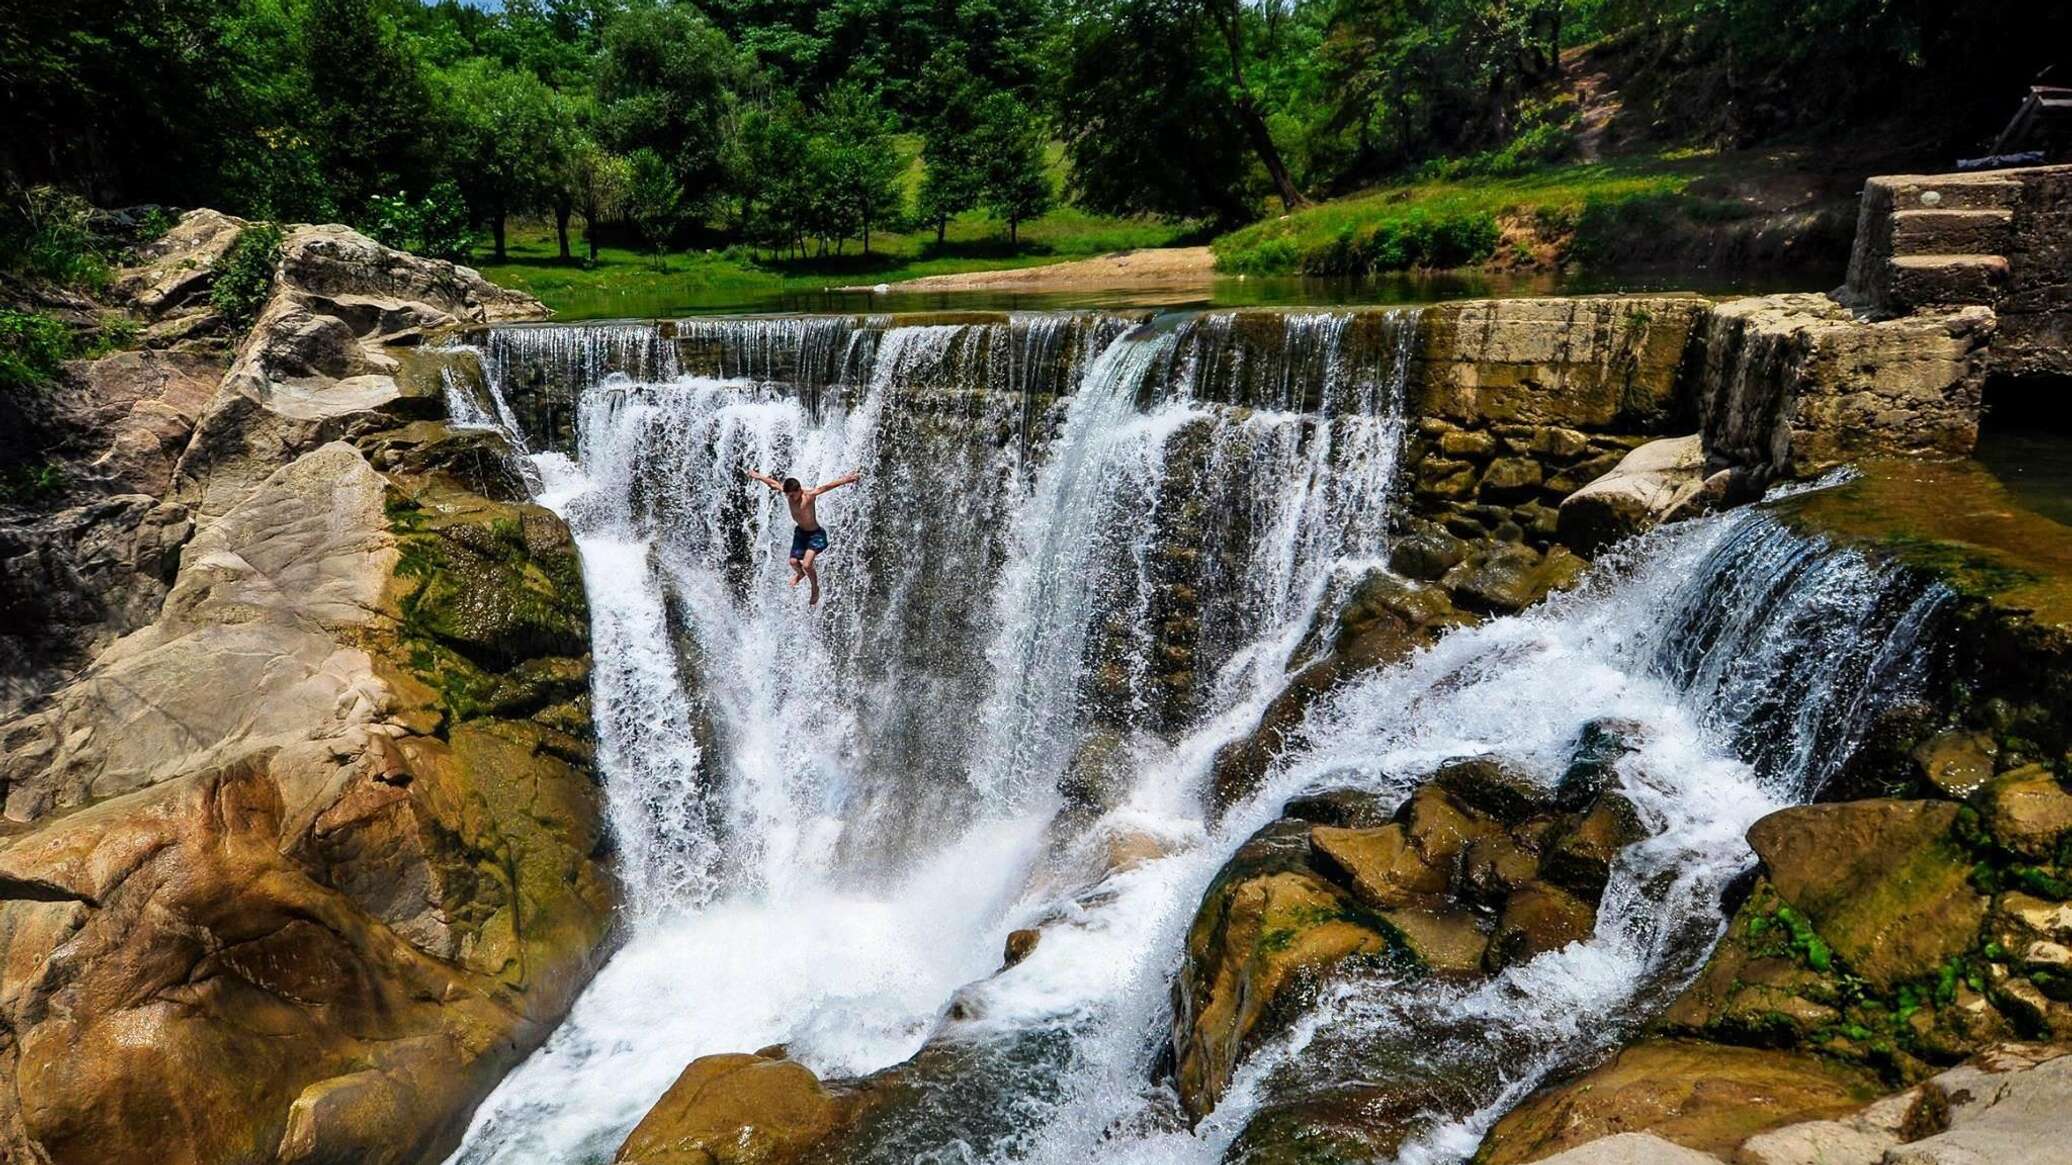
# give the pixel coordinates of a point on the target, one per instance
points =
(1702, 1096)
(1267, 923)
(1885, 883)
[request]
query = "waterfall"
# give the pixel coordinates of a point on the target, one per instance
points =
(1083, 550)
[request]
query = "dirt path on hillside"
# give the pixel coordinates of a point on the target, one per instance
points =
(1152, 267)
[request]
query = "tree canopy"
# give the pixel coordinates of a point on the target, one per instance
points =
(791, 125)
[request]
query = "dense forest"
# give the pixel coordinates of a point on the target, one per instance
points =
(772, 123)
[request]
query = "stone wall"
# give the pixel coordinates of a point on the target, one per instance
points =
(2000, 238)
(1796, 384)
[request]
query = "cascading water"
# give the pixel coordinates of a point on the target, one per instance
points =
(1086, 543)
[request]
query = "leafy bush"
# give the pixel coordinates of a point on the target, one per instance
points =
(442, 223)
(435, 225)
(246, 274)
(48, 233)
(32, 346)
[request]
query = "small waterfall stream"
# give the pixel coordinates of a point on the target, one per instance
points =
(1089, 543)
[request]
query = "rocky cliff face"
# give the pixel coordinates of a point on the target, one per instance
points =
(311, 853)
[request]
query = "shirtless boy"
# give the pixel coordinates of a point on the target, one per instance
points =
(808, 536)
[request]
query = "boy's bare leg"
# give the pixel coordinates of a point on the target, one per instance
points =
(811, 574)
(797, 572)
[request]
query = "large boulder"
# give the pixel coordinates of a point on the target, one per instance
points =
(1884, 883)
(740, 1110)
(1704, 1097)
(305, 860)
(1269, 923)
(1658, 481)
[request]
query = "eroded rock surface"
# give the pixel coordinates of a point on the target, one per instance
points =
(311, 854)
(1704, 1097)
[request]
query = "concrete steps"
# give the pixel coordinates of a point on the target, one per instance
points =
(1945, 279)
(1952, 232)
(1951, 192)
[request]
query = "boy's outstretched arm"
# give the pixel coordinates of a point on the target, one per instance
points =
(849, 478)
(765, 478)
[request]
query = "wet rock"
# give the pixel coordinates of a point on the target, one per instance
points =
(1705, 1097)
(2028, 811)
(737, 1110)
(1379, 865)
(1020, 945)
(1593, 761)
(1957, 763)
(1883, 882)
(1346, 1124)
(1538, 918)
(1457, 885)
(1426, 553)
(1486, 783)
(1648, 485)
(1347, 808)
(1511, 577)
(1382, 621)
(1268, 922)
(1098, 774)
(1580, 858)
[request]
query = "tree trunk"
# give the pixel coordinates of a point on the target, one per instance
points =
(1269, 154)
(1248, 109)
(866, 236)
(562, 209)
(496, 226)
(590, 235)
(942, 227)
(1013, 225)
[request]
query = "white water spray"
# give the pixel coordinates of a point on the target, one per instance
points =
(830, 819)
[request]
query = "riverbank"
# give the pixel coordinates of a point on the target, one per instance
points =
(629, 283)
(1148, 268)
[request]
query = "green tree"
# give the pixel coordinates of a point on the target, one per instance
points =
(953, 179)
(774, 173)
(1146, 118)
(654, 201)
(1009, 145)
(508, 135)
(597, 184)
(370, 113)
(665, 79)
(862, 165)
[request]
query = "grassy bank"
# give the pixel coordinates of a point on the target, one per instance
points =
(632, 283)
(1557, 213)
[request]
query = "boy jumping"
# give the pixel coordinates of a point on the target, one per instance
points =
(808, 536)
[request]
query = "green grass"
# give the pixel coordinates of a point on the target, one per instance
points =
(1445, 222)
(626, 282)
